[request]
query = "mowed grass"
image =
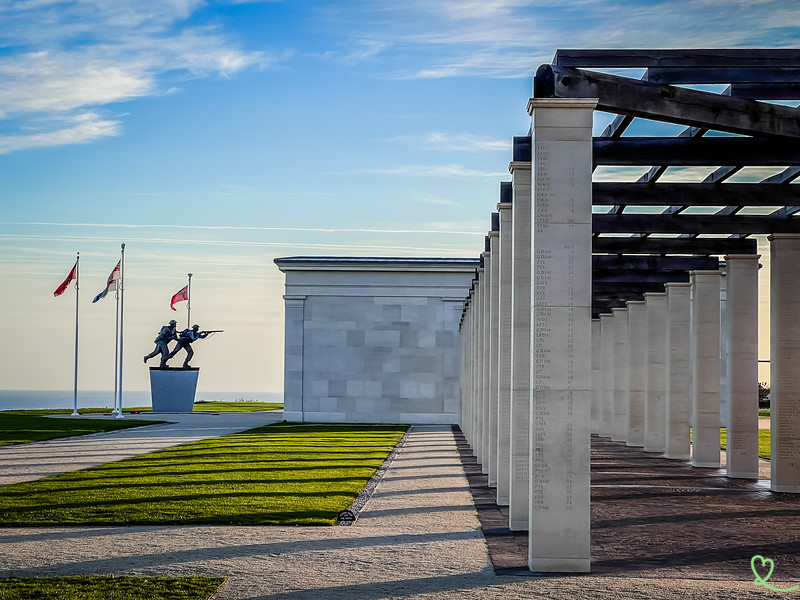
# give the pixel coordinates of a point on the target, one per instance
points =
(282, 474)
(96, 587)
(22, 429)
(199, 406)
(763, 441)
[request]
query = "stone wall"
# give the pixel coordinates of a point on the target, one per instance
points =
(373, 340)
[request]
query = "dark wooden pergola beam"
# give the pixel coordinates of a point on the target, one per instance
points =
(650, 245)
(764, 91)
(673, 104)
(692, 224)
(695, 194)
(706, 75)
(633, 287)
(700, 151)
(623, 276)
(644, 58)
(637, 262)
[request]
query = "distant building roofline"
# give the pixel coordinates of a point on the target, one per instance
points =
(369, 263)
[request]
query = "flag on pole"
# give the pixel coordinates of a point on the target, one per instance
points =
(63, 287)
(111, 284)
(182, 295)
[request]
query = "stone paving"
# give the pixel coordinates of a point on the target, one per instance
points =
(660, 518)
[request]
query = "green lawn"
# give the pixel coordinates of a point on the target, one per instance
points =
(199, 406)
(763, 441)
(282, 474)
(21, 429)
(96, 587)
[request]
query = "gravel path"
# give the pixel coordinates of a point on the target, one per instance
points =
(417, 537)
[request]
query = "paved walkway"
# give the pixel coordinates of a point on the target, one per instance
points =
(41, 459)
(417, 537)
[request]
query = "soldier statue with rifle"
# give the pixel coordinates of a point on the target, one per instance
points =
(185, 340)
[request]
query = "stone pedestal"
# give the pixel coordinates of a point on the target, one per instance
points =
(655, 411)
(558, 536)
(741, 325)
(637, 335)
(705, 368)
(784, 361)
(519, 484)
(621, 358)
(678, 371)
(172, 390)
(607, 368)
(504, 355)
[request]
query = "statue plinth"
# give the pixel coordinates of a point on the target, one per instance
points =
(172, 390)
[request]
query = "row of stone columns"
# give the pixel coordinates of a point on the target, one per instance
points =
(527, 388)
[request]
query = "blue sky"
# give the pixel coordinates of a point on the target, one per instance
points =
(213, 136)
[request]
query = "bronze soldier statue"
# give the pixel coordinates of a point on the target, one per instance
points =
(165, 336)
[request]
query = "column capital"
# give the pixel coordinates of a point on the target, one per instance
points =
(584, 103)
(783, 236)
(502, 206)
(677, 284)
(709, 273)
(519, 165)
(742, 257)
(655, 294)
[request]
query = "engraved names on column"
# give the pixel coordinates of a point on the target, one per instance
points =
(705, 370)
(561, 339)
(784, 359)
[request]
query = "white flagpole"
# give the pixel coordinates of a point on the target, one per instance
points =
(189, 303)
(116, 349)
(75, 386)
(121, 288)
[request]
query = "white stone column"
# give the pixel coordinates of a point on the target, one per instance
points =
(784, 360)
(705, 370)
(294, 307)
(494, 339)
(724, 353)
(597, 377)
(607, 368)
(655, 405)
(504, 356)
(621, 357)
(519, 492)
(741, 326)
(637, 336)
(678, 371)
(558, 538)
(486, 444)
(478, 416)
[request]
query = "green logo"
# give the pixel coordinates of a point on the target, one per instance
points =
(770, 564)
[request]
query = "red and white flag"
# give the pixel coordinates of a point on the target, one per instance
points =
(180, 296)
(63, 287)
(111, 284)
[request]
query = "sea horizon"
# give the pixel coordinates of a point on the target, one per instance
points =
(46, 399)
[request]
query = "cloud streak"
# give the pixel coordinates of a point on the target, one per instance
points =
(65, 62)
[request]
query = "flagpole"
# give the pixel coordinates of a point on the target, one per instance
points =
(121, 288)
(75, 385)
(116, 349)
(189, 303)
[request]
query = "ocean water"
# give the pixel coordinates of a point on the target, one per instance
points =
(34, 399)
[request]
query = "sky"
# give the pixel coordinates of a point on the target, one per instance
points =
(213, 136)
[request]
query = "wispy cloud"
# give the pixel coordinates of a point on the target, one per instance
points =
(440, 140)
(64, 62)
(510, 38)
(456, 171)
